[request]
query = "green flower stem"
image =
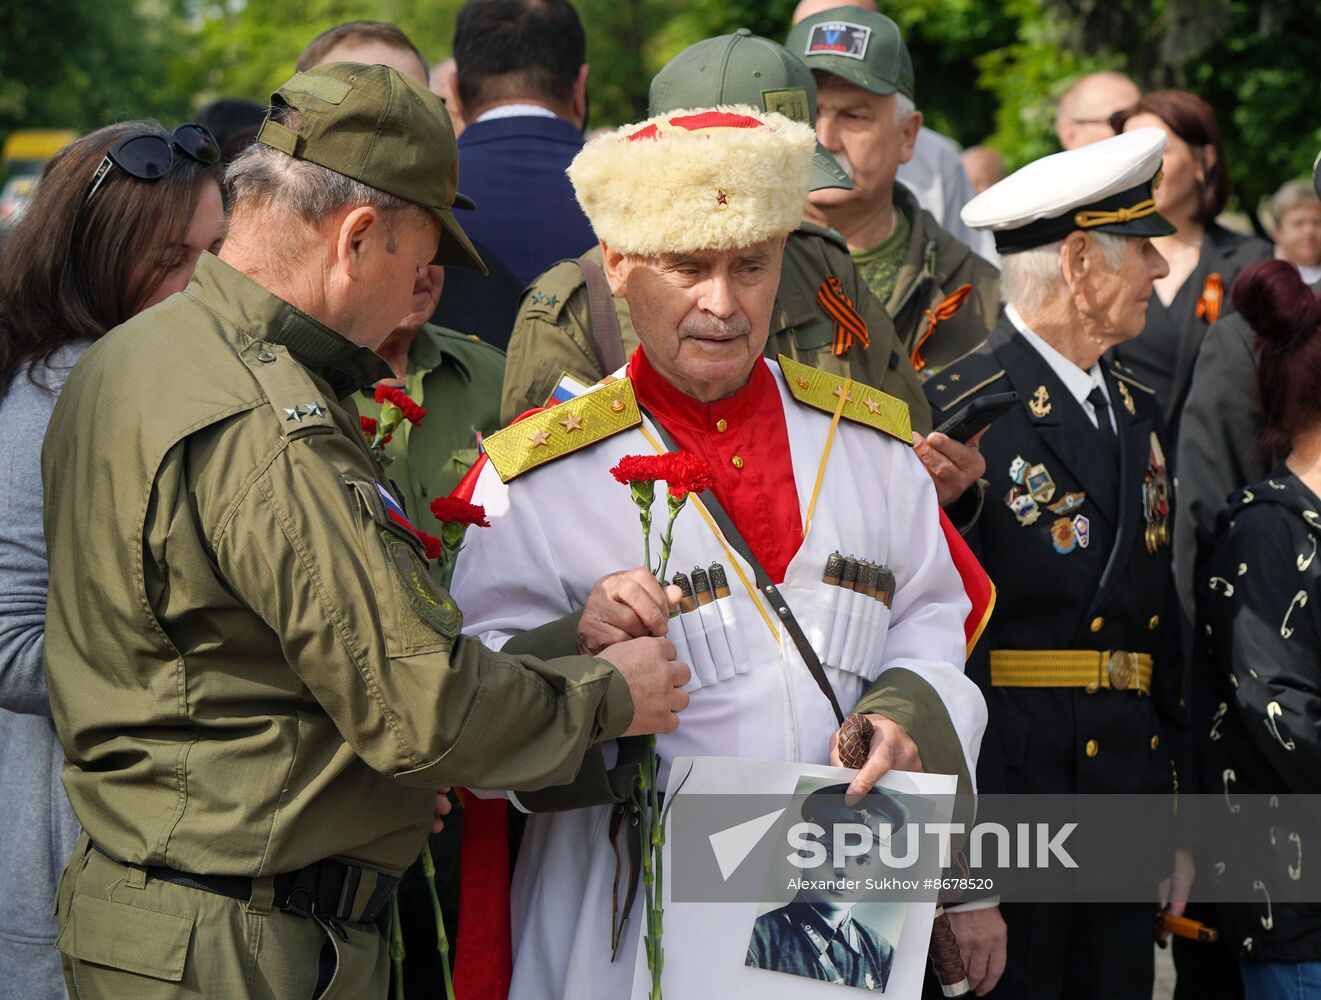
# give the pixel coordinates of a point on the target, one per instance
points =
(667, 539)
(656, 847)
(643, 492)
(397, 947)
(442, 941)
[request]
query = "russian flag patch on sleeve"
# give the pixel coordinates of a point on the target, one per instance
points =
(395, 512)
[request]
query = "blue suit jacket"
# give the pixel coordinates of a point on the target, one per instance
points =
(526, 214)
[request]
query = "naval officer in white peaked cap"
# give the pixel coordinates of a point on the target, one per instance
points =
(1080, 662)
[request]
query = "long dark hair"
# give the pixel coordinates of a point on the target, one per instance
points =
(1286, 316)
(1194, 121)
(71, 269)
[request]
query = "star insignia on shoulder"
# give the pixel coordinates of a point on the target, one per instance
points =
(871, 404)
(294, 413)
(550, 300)
(839, 391)
(315, 410)
(538, 298)
(539, 439)
(572, 423)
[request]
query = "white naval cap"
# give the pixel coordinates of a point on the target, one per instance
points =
(1106, 186)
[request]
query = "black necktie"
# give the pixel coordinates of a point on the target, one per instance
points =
(1101, 406)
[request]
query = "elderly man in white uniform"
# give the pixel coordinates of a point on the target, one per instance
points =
(692, 210)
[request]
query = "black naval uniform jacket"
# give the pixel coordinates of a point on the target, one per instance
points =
(1111, 594)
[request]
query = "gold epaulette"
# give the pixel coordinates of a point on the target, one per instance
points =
(862, 404)
(563, 429)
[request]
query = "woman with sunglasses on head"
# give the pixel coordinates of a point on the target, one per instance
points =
(118, 223)
(1204, 257)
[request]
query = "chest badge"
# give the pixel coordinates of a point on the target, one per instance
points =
(1024, 508)
(1018, 469)
(1068, 503)
(1082, 530)
(1128, 399)
(1062, 536)
(1040, 404)
(1156, 499)
(1040, 486)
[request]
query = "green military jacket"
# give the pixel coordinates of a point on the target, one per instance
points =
(935, 267)
(457, 379)
(551, 338)
(249, 666)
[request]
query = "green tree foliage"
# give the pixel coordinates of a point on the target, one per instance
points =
(987, 70)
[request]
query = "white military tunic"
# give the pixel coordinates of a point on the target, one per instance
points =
(558, 529)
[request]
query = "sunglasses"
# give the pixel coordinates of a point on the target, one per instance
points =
(149, 157)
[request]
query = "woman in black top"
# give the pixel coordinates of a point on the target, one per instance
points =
(1204, 257)
(1257, 693)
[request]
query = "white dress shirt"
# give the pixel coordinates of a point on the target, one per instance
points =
(1079, 381)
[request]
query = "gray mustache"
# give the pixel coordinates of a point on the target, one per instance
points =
(716, 328)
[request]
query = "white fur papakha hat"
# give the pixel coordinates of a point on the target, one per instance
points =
(711, 179)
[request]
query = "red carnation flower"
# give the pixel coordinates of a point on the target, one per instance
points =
(399, 398)
(638, 469)
(368, 426)
(432, 544)
(685, 473)
(452, 510)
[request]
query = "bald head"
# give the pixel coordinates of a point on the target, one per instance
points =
(806, 8)
(1085, 108)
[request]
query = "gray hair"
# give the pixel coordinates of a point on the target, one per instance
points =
(262, 176)
(1291, 195)
(1028, 279)
(903, 108)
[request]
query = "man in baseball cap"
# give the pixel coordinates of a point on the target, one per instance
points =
(942, 297)
(380, 129)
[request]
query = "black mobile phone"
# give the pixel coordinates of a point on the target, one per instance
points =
(976, 415)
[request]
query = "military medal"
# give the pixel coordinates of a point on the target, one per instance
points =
(1024, 508)
(1068, 503)
(1039, 484)
(1062, 536)
(1018, 469)
(1156, 499)
(1082, 530)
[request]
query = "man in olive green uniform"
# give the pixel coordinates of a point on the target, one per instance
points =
(824, 315)
(257, 685)
(943, 298)
(456, 377)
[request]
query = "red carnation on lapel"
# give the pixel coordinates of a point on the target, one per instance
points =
(399, 398)
(368, 426)
(452, 510)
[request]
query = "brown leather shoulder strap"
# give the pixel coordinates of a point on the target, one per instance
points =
(607, 338)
